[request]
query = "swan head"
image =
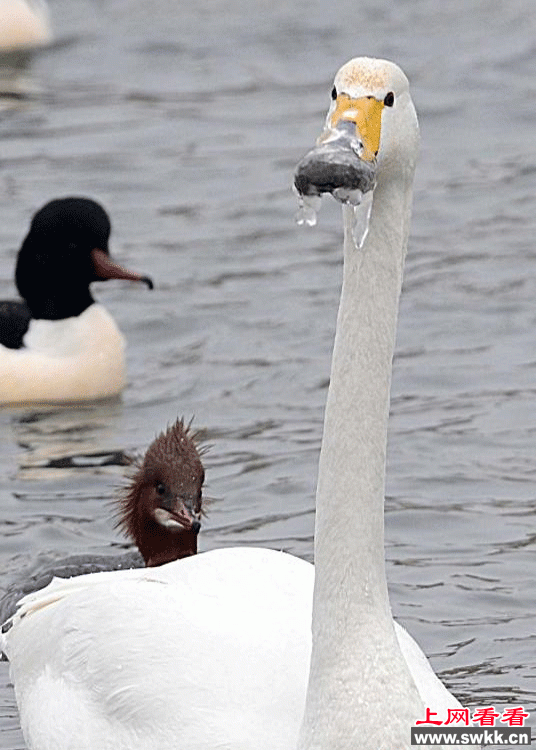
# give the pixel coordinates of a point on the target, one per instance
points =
(370, 131)
(161, 509)
(66, 250)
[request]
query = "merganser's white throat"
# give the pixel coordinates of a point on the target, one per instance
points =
(214, 651)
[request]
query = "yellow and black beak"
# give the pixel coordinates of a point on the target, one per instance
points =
(366, 114)
(343, 161)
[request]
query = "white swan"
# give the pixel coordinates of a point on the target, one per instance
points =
(24, 24)
(214, 651)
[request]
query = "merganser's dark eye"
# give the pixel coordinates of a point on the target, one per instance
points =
(161, 488)
(389, 99)
(334, 93)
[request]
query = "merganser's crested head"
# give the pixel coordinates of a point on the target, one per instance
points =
(160, 511)
(65, 250)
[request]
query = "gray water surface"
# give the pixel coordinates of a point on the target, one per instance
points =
(186, 121)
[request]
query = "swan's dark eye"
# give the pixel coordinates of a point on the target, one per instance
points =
(161, 488)
(334, 93)
(389, 99)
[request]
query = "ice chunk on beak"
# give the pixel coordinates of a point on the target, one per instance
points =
(361, 220)
(308, 206)
(335, 166)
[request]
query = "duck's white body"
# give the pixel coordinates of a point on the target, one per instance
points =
(24, 24)
(214, 651)
(73, 359)
(209, 651)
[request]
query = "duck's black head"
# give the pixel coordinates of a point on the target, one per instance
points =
(62, 254)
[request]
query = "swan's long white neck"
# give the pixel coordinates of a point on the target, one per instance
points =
(357, 668)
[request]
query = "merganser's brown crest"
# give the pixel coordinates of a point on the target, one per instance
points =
(161, 509)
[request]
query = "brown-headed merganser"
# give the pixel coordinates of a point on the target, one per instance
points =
(159, 510)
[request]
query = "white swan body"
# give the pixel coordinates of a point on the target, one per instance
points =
(73, 359)
(213, 651)
(101, 660)
(24, 24)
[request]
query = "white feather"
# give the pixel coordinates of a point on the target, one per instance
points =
(73, 359)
